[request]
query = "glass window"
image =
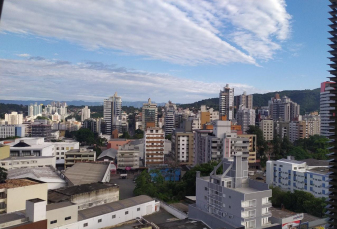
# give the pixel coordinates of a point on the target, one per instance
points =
(53, 221)
(113, 216)
(67, 218)
(85, 225)
(127, 212)
(99, 220)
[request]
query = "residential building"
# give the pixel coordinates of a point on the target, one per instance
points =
(86, 173)
(281, 129)
(200, 145)
(78, 155)
(116, 143)
(46, 174)
(34, 110)
(245, 100)
(14, 118)
(183, 146)
(226, 103)
(267, 127)
(231, 200)
(313, 123)
(85, 195)
(252, 147)
(127, 157)
(12, 131)
(293, 175)
(14, 193)
(85, 114)
(154, 146)
(27, 162)
(93, 124)
(283, 109)
(28, 128)
(23, 147)
(169, 125)
(4, 151)
(149, 115)
(112, 109)
(297, 130)
(56, 117)
(325, 108)
(245, 118)
(60, 148)
(41, 128)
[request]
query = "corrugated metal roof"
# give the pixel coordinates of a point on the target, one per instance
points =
(86, 173)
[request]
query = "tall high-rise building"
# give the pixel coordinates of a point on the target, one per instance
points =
(283, 109)
(332, 204)
(85, 113)
(244, 99)
(245, 117)
(169, 125)
(325, 101)
(154, 146)
(149, 115)
(112, 109)
(226, 103)
(34, 110)
(14, 118)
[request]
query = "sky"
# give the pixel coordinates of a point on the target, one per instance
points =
(183, 51)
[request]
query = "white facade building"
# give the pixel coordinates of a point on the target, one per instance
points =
(245, 118)
(60, 149)
(23, 147)
(27, 162)
(85, 113)
(293, 175)
(14, 118)
(7, 131)
(226, 103)
(325, 101)
(34, 110)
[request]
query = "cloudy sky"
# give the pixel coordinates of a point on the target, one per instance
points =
(176, 50)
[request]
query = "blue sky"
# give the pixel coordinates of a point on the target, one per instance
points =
(182, 51)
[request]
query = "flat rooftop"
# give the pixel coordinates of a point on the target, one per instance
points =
(62, 194)
(11, 217)
(37, 172)
(280, 214)
(184, 224)
(15, 183)
(25, 158)
(85, 173)
(291, 161)
(314, 162)
(319, 170)
(36, 200)
(113, 206)
(54, 206)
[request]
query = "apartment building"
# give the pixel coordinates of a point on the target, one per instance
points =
(41, 128)
(27, 162)
(200, 145)
(226, 103)
(313, 122)
(281, 129)
(85, 114)
(182, 146)
(290, 175)
(14, 118)
(93, 124)
(231, 200)
(15, 192)
(112, 109)
(267, 127)
(325, 108)
(60, 148)
(127, 157)
(283, 109)
(169, 120)
(245, 118)
(78, 155)
(244, 99)
(154, 146)
(149, 115)
(252, 146)
(297, 130)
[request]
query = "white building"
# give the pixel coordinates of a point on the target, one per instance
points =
(27, 162)
(283, 109)
(85, 113)
(267, 127)
(56, 117)
(325, 101)
(7, 131)
(128, 157)
(293, 175)
(60, 148)
(226, 103)
(14, 118)
(313, 124)
(112, 109)
(245, 118)
(23, 147)
(34, 110)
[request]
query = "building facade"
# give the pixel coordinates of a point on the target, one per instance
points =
(78, 155)
(14, 118)
(244, 99)
(283, 109)
(325, 108)
(127, 157)
(267, 127)
(85, 114)
(183, 146)
(245, 118)
(226, 103)
(149, 115)
(154, 146)
(41, 128)
(112, 109)
(27, 162)
(169, 125)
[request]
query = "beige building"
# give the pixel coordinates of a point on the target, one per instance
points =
(154, 146)
(60, 214)
(4, 151)
(27, 162)
(251, 147)
(149, 115)
(79, 155)
(267, 127)
(14, 193)
(127, 157)
(183, 146)
(13, 118)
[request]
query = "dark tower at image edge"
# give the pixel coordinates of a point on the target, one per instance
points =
(332, 201)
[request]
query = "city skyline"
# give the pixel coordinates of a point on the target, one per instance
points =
(192, 60)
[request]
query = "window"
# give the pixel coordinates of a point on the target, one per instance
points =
(100, 220)
(85, 225)
(138, 209)
(113, 216)
(54, 221)
(206, 189)
(127, 212)
(67, 218)
(229, 184)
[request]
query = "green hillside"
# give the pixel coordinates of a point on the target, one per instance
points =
(308, 99)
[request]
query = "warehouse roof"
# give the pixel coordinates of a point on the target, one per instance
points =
(85, 173)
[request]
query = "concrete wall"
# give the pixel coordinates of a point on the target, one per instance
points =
(173, 211)
(60, 215)
(28, 162)
(16, 197)
(94, 198)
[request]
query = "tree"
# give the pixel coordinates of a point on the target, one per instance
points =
(169, 137)
(3, 175)
(299, 153)
(277, 147)
(139, 134)
(125, 135)
(85, 135)
(41, 118)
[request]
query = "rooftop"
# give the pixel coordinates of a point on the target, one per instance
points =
(77, 151)
(108, 153)
(280, 214)
(26, 158)
(314, 162)
(34, 172)
(61, 194)
(320, 170)
(79, 173)
(113, 206)
(11, 217)
(15, 183)
(36, 200)
(184, 224)
(291, 161)
(58, 205)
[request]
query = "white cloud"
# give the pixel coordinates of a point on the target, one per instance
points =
(183, 32)
(94, 81)
(23, 55)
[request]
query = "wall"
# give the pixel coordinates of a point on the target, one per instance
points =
(40, 225)
(4, 151)
(16, 197)
(28, 162)
(173, 211)
(60, 214)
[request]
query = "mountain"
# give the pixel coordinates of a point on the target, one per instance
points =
(308, 99)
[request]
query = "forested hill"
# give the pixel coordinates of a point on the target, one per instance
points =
(308, 99)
